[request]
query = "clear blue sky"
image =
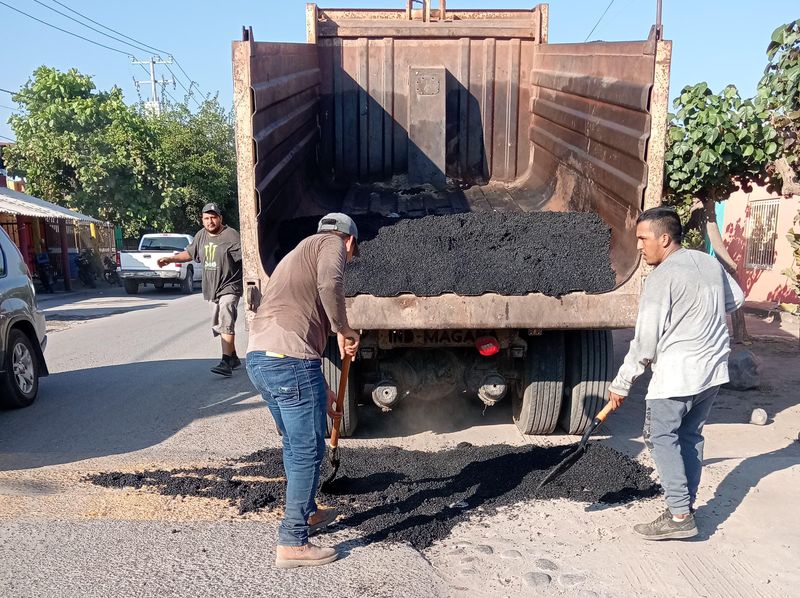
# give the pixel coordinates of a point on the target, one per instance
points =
(716, 41)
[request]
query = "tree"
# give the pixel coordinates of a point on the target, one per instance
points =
(85, 149)
(715, 142)
(199, 158)
(779, 94)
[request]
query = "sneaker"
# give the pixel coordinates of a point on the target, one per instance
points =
(308, 555)
(234, 361)
(320, 519)
(666, 528)
(223, 368)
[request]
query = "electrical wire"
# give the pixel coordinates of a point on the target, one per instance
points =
(66, 31)
(10, 108)
(598, 20)
(9, 138)
(137, 43)
(152, 48)
(55, 10)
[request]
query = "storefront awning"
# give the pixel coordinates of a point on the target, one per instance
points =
(22, 204)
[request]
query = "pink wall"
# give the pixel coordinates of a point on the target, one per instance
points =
(761, 285)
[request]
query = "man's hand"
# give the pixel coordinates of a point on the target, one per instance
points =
(163, 261)
(332, 413)
(349, 340)
(615, 400)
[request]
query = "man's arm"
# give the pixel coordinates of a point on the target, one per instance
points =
(330, 285)
(734, 297)
(654, 308)
(178, 258)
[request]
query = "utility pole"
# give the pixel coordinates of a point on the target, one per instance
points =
(155, 103)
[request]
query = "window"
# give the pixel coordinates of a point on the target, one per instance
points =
(165, 243)
(762, 220)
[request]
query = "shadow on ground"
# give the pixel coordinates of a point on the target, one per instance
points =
(116, 409)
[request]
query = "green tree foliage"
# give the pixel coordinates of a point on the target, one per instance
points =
(714, 141)
(779, 89)
(779, 93)
(87, 150)
(198, 155)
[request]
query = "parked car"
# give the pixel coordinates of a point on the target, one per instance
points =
(22, 330)
(141, 266)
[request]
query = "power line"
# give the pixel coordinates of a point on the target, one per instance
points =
(137, 43)
(55, 10)
(10, 108)
(9, 138)
(66, 31)
(598, 21)
(152, 48)
(189, 90)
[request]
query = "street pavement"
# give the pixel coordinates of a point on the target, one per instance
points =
(130, 389)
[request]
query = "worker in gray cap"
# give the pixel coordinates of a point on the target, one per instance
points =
(218, 248)
(302, 304)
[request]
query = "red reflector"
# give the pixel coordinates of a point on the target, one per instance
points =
(116, 258)
(487, 346)
(178, 265)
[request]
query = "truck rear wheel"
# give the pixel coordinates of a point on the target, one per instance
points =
(332, 370)
(131, 287)
(187, 284)
(589, 370)
(537, 403)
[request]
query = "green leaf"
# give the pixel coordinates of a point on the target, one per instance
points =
(771, 148)
(777, 35)
(748, 151)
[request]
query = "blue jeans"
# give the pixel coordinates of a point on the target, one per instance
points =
(673, 431)
(296, 395)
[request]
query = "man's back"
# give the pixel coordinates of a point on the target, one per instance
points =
(299, 308)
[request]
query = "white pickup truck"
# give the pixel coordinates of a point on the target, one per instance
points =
(141, 266)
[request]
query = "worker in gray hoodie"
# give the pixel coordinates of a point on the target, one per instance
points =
(682, 334)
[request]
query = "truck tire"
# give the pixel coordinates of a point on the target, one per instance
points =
(537, 403)
(187, 284)
(589, 371)
(20, 383)
(332, 370)
(131, 287)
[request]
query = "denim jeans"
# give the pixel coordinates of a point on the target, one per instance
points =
(295, 392)
(673, 431)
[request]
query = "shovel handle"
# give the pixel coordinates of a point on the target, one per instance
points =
(604, 412)
(337, 419)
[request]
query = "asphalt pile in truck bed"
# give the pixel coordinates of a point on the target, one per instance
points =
(475, 253)
(411, 496)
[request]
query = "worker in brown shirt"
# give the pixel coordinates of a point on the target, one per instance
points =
(303, 302)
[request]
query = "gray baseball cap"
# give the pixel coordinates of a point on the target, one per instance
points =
(339, 222)
(212, 208)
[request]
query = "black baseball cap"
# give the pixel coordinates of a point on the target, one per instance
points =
(212, 208)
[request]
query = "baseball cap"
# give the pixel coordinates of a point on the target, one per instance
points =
(212, 207)
(339, 222)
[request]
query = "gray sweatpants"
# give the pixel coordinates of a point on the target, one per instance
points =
(673, 431)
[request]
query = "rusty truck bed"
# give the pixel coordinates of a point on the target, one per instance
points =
(476, 102)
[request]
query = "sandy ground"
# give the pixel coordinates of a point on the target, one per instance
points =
(747, 506)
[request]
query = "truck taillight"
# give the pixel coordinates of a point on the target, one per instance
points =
(487, 346)
(178, 266)
(117, 260)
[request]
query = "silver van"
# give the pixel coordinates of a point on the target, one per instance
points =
(22, 330)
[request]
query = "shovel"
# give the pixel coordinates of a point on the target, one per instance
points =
(583, 445)
(336, 416)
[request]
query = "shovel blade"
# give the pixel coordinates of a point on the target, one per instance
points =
(563, 466)
(333, 458)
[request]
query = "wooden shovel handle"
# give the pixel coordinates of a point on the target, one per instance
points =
(337, 419)
(604, 412)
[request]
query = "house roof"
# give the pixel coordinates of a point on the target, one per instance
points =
(22, 204)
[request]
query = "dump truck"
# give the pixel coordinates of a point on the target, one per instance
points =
(427, 110)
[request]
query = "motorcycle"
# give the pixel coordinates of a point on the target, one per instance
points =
(110, 271)
(86, 272)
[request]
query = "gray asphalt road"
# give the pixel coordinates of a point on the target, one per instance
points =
(130, 387)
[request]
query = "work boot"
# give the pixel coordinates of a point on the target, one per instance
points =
(308, 555)
(320, 519)
(223, 368)
(666, 528)
(234, 361)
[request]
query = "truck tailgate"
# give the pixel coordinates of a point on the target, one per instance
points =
(142, 260)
